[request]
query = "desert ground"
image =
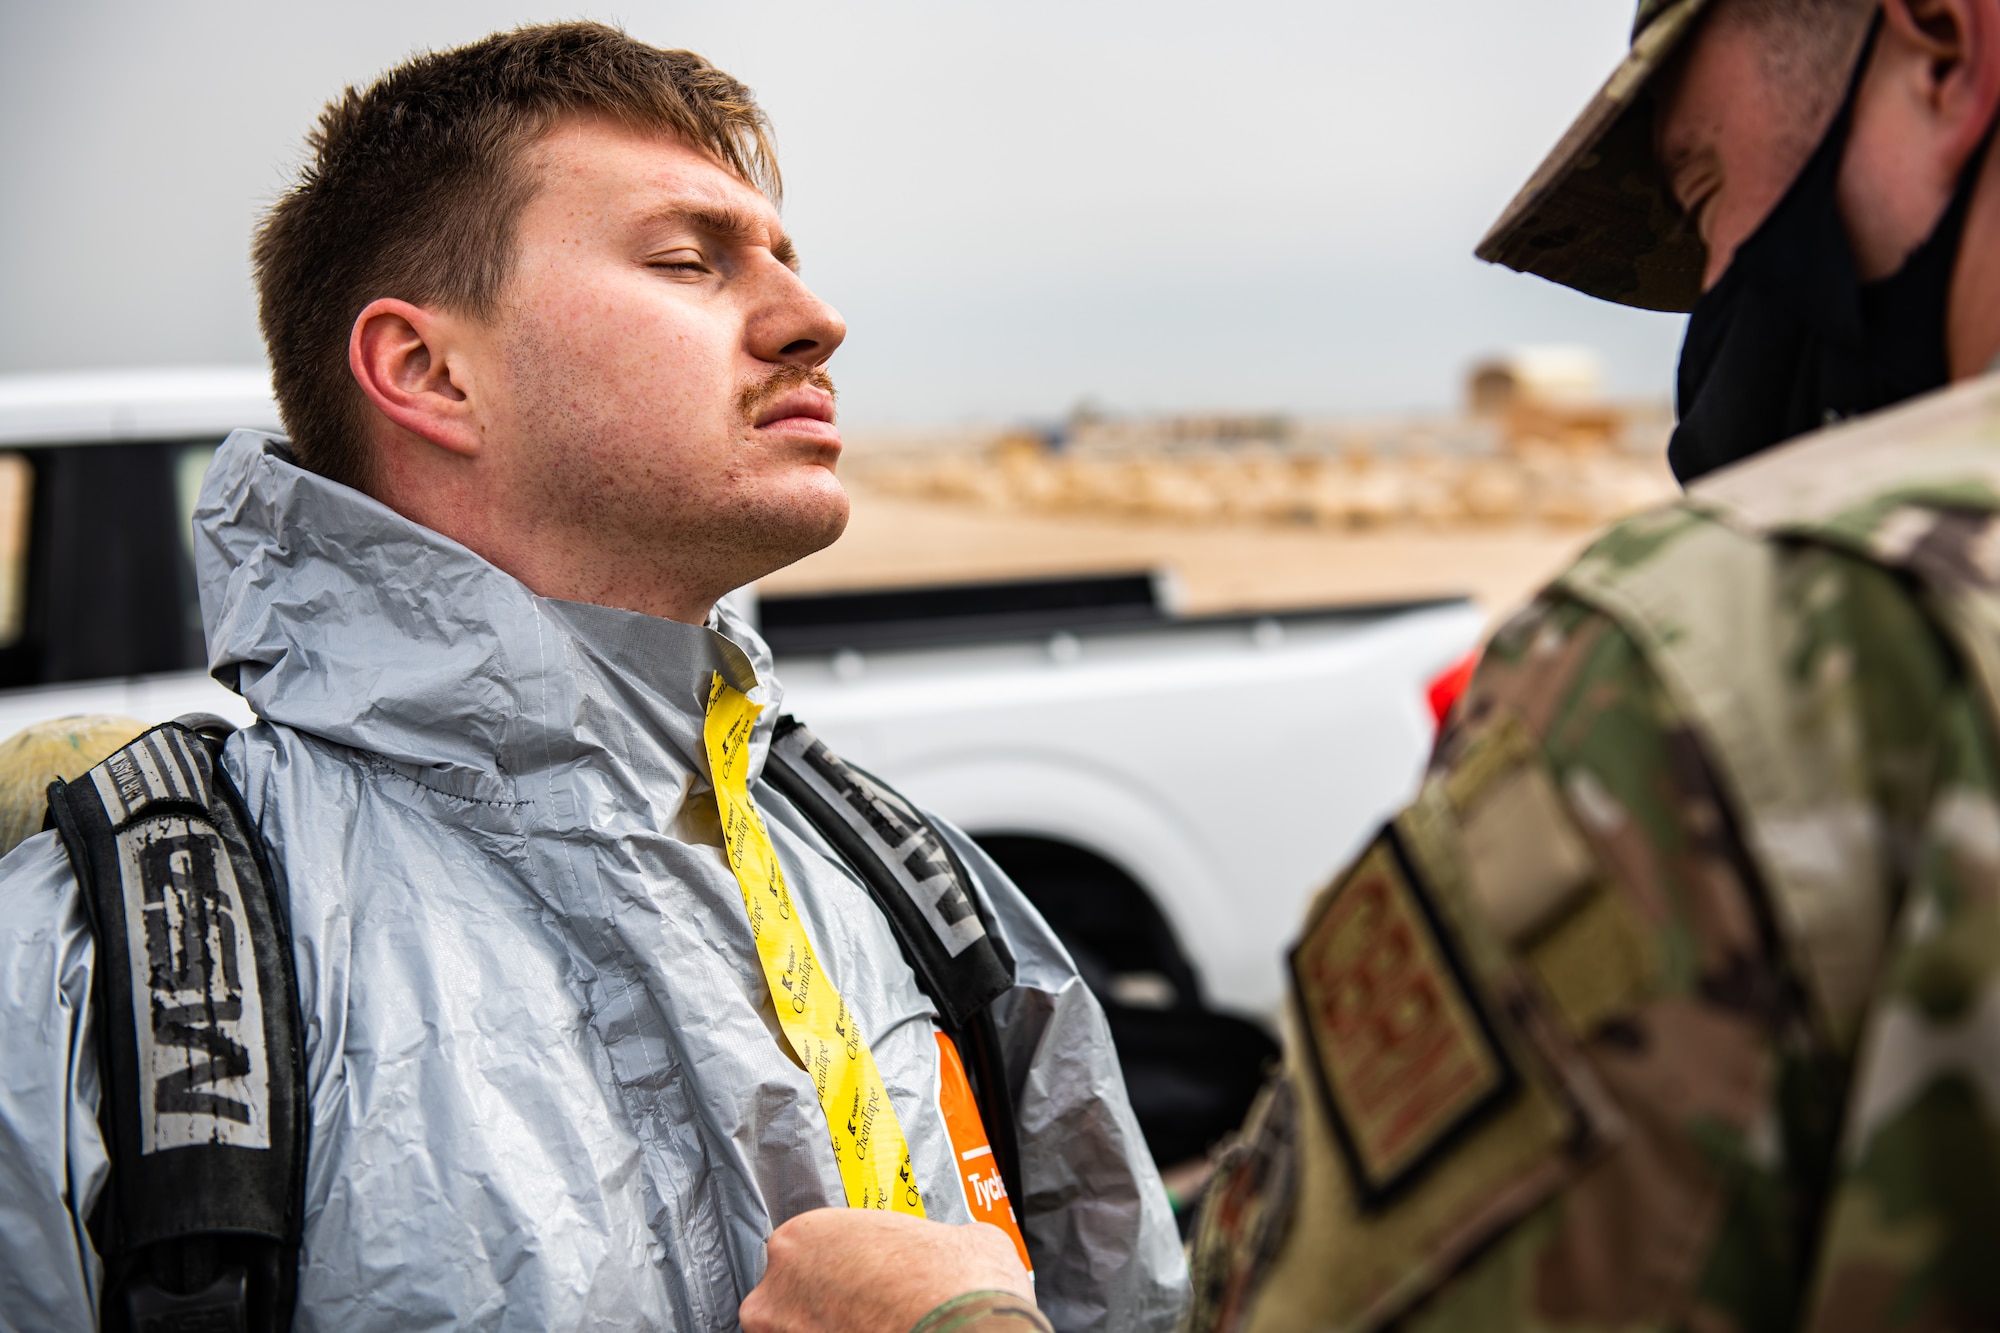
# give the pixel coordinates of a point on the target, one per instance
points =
(1220, 565)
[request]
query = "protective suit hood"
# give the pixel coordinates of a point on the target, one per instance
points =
(302, 580)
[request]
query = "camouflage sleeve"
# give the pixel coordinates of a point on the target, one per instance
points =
(1914, 1212)
(1593, 911)
(1698, 1211)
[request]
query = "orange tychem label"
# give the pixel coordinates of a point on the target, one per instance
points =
(985, 1193)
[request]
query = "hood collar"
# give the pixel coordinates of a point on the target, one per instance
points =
(333, 614)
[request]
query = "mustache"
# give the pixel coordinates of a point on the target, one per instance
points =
(756, 397)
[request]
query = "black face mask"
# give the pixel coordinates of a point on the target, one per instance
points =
(1791, 339)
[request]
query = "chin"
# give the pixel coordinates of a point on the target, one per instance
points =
(810, 518)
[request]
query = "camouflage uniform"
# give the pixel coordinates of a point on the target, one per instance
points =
(1674, 999)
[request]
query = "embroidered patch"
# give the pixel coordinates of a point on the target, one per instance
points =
(1401, 1047)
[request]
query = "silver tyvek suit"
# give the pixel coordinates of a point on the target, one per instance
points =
(545, 1085)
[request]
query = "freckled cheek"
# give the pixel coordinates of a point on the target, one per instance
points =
(640, 359)
(650, 341)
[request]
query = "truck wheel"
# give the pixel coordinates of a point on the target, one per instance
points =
(1191, 1072)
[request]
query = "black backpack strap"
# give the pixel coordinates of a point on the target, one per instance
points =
(202, 1101)
(940, 920)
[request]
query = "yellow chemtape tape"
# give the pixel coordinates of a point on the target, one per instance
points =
(868, 1139)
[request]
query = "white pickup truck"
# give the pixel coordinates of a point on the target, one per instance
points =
(1170, 790)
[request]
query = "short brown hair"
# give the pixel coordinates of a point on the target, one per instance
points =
(416, 184)
(1809, 48)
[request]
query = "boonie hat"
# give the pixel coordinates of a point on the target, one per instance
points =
(1597, 215)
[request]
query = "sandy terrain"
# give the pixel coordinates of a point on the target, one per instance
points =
(1221, 566)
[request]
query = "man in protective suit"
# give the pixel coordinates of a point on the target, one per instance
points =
(564, 956)
(1674, 998)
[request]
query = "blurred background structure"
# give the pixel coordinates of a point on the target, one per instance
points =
(1270, 509)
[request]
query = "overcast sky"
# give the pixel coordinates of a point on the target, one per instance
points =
(1259, 205)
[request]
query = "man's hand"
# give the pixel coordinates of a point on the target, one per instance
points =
(856, 1270)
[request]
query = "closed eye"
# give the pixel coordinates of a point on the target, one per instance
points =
(683, 262)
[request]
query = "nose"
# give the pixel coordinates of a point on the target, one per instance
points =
(793, 326)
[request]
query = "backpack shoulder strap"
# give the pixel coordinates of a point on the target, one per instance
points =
(937, 913)
(941, 921)
(203, 1089)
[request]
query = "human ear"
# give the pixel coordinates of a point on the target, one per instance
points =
(1923, 109)
(1951, 52)
(405, 359)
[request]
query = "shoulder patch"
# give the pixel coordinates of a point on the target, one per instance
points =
(1438, 1100)
(1404, 1054)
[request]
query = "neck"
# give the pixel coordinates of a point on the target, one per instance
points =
(559, 562)
(457, 498)
(1972, 322)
